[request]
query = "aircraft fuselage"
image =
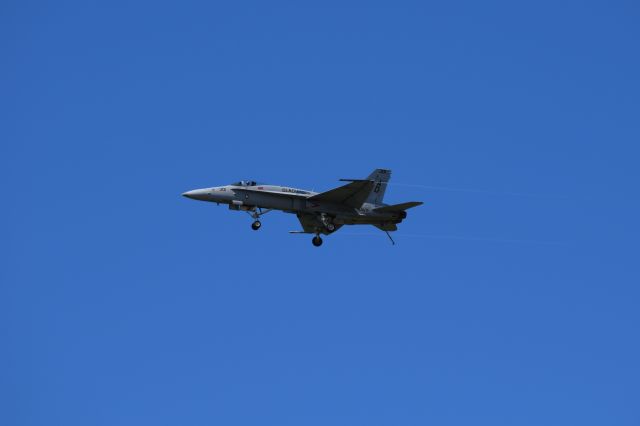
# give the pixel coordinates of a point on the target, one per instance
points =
(291, 200)
(359, 202)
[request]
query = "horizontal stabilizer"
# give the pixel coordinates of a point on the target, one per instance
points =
(386, 226)
(399, 207)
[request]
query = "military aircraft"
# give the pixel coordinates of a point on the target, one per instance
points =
(359, 202)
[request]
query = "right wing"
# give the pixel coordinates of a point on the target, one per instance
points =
(353, 194)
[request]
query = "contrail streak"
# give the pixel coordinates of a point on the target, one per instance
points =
(479, 191)
(465, 238)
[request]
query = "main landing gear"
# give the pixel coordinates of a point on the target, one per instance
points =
(316, 241)
(326, 221)
(256, 225)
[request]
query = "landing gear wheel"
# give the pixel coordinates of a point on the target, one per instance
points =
(316, 241)
(256, 225)
(327, 222)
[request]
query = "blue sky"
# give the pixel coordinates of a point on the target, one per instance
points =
(510, 298)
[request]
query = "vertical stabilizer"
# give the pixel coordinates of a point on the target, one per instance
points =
(381, 178)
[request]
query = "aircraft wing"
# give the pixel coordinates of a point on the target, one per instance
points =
(352, 194)
(310, 223)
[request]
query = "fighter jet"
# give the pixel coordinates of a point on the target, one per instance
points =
(359, 202)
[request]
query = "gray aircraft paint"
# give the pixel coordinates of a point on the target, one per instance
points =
(356, 203)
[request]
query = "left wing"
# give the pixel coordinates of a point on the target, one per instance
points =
(353, 194)
(312, 224)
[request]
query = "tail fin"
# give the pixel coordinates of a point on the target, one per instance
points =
(381, 178)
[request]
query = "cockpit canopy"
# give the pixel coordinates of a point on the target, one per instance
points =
(245, 183)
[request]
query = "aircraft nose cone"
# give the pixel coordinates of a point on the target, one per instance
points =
(196, 194)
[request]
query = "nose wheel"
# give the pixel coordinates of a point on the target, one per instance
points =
(255, 214)
(316, 241)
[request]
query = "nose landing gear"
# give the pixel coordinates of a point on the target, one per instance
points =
(255, 213)
(316, 241)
